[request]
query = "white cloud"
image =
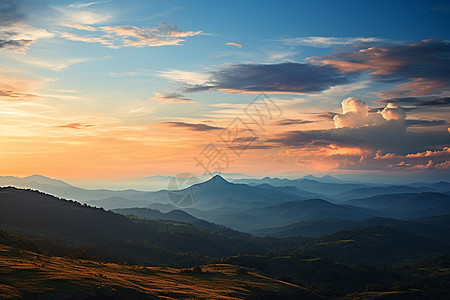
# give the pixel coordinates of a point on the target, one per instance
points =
(355, 113)
(191, 78)
(393, 112)
(87, 4)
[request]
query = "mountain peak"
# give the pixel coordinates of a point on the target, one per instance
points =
(216, 180)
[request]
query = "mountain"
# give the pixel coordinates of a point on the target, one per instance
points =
(111, 235)
(374, 191)
(33, 179)
(218, 192)
(214, 193)
(64, 190)
(320, 189)
(281, 214)
(433, 227)
(407, 205)
(311, 209)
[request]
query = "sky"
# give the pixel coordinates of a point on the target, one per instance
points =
(109, 90)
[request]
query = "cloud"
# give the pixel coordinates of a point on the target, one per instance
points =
(81, 27)
(421, 68)
(173, 97)
(189, 78)
(75, 126)
(390, 136)
(87, 39)
(239, 45)
(425, 123)
(15, 88)
(385, 130)
(129, 36)
(325, 42)
(414, 101)
(291, 78)
(193, 127)
(77, 15)
(434, 102)
(15, 34)
(86, 4)
(393, 112)
(286, 122)
(356, 113)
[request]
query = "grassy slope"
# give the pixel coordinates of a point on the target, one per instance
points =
(27, 275)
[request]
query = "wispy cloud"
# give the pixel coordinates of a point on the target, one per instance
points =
(325, 42)
(172, 97)
(129, 36)
(286, 122)
(75, 126)
(193, 127)
(239, 45)
(190, 78)
(86, 4)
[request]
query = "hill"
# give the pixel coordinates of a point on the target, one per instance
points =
(177, 216)
(111, 235)
(28, 275)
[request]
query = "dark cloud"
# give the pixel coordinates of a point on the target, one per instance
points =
(296, 78)
(172, 97)
(15, 34)
(391, 137)
(326, 115)
(414, 101)
(436, 101)
(424, 65)
(9, 12)
(425, 123)
(250, 147)
(14, 44)
(285, 122)
(194, 127)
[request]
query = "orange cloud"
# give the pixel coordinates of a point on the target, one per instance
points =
(75, 125)
(239, 45)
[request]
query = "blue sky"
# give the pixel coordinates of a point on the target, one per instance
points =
(123, 89)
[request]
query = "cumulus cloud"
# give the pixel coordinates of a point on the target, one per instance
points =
(393, 112)
(358, 127)
(356, 113)
(173, 97)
